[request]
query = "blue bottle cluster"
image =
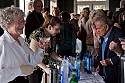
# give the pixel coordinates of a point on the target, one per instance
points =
(88, 62)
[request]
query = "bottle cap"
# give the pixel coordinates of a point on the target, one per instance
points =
(74, 71)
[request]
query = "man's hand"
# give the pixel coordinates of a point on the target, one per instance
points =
(114, 46)
(105, 62)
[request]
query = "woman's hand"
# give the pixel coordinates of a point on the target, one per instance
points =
(44, 43)
(47, 70)
(97, 69)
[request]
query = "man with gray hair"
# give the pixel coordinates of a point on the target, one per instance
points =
(108, 61)
(35, 20)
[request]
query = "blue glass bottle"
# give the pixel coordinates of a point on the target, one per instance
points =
(89, 63)
(85, 60)
(64, 70)
(78, 67)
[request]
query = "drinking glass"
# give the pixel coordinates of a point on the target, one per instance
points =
(46, 42)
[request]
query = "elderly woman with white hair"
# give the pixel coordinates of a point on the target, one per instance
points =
(17, 60)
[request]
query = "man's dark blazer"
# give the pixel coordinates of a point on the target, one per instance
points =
(111, 70)
(33, 22)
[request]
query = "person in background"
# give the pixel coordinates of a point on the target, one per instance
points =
(56, 12)
(72, 15)
(74, 21)
(46, 16)
(109, 14)
(108, 61)
(17, 60)
(84, 16)
(66, 37)
(122, 4)
(35, 20)
(30, 8)
(116, 19)
(91, 39)
(45, 12)
(122, 21)
(77, 16)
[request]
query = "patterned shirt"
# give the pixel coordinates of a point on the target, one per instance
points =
(40, 33)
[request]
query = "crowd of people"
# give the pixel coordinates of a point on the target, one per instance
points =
(22, 60)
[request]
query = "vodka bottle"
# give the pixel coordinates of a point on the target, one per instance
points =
(89, 63)
(78, 67)
(64, 70)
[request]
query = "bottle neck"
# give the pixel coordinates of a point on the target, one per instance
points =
(73, 74)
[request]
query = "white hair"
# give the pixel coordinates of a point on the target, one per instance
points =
(8, 15)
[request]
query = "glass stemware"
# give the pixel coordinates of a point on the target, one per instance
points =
(46, 43)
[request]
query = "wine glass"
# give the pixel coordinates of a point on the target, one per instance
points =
(45, 43)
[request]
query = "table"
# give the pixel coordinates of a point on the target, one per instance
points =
(90, 78)
(85, 78)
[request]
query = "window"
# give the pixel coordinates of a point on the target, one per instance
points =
(95, 7)
(92, 4)
(80, 7)
(91, 0)
(52, 4)
(23, 4)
